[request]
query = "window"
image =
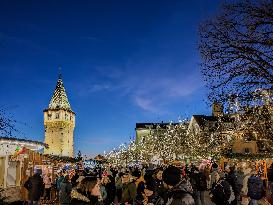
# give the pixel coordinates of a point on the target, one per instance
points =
(247, 150)
(66, 116)
(57, 115)
(49, 116)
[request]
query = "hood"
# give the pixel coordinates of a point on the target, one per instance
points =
(184, 185)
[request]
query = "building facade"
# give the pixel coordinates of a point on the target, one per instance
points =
(59, 123)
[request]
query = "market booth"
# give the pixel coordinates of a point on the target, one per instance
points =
(15, 166)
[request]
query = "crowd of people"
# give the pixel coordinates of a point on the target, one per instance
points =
(168, 185)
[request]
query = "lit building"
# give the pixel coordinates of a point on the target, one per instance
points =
(59, 122)
(145, 129)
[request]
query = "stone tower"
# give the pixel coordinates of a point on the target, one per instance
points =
(59, 122)
(217, 109)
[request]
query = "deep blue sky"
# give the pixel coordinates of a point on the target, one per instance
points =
(123, 61)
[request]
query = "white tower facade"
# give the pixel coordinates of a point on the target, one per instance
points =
(59, 122)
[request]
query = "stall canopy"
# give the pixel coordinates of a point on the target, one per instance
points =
(9, 145)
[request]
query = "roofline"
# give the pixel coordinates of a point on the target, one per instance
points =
(153, 125)
(24, 140)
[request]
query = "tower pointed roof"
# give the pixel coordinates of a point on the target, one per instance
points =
(59, 99)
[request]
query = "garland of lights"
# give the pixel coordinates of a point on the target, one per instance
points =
(213, 139)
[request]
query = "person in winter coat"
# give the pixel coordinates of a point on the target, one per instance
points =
(65, 191)
(247, 173)
(145, 195)
(87, 193)
(233, 181)
(180, 190)
(48, 184)
(206, 172)
(201, 187)
(256, 189)
(137, 177)
(109, 184)
(240, 176)
(220, 191)
(118, 184)
(214, 170)
(270, 184)
(35, 187)
(59, 180)
(193, 180)
(128, 190)
(158, 183)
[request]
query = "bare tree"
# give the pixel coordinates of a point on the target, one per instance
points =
(7, 124)
(236, 48)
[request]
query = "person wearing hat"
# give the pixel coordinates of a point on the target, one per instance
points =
(146, 194)
(35, 187)
(180, 190)
(129, 189)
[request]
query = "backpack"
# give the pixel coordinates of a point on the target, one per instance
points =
(201, 182)
(255, 188)
(222, 191)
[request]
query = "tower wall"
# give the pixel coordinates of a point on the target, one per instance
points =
(59, 132)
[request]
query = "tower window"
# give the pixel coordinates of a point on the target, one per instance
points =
(57, 115)
(49, 116)
(66, 116)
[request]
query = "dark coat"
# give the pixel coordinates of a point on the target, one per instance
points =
(129, 192)
(65, 192)
(35, 187)
(180, 195)
(111, 192)
(154, 199)
(270, 173)
(221, 192)
(233, 181)
(159, 187)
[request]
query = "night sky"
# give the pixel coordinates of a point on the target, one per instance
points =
(122, 62)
